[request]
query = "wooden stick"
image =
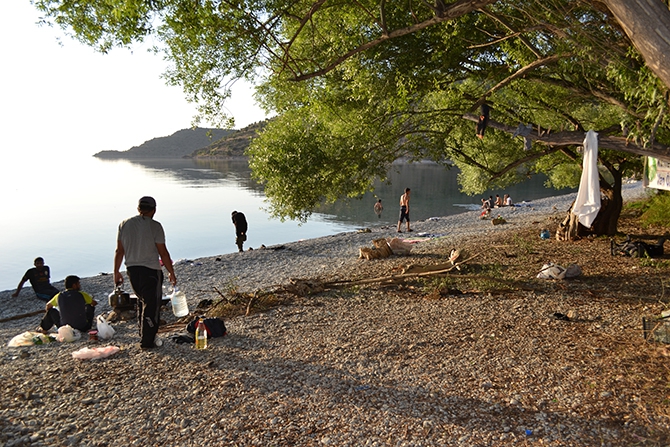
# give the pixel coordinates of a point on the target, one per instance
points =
(19, 317)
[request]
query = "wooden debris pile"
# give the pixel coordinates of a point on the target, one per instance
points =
(381, 249)
(384, 248)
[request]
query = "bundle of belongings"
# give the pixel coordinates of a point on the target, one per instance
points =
(384, 249)
(214, 327)
(638, 249)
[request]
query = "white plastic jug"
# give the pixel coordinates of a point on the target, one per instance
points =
(179, 304)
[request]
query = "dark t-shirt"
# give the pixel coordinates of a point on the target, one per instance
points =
(39, 279)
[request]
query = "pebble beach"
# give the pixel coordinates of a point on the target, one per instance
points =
(350, 369)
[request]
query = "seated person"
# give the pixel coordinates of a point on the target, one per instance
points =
(507, 200)
(75, 308)
(498, 202)
(39, 279)
(486, 205)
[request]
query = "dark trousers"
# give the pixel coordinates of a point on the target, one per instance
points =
(52, 318)
(148, 286)
(239, 240)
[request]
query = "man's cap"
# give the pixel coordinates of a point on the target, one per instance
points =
(147, 201)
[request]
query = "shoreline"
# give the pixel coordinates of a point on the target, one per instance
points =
(325, 256)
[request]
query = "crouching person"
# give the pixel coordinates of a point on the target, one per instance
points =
(75, 308)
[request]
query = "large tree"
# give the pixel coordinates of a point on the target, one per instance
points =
(356, 85)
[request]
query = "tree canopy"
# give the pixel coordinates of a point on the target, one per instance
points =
(357, 85)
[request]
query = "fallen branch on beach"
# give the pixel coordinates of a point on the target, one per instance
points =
(395, 278)
(21, 316)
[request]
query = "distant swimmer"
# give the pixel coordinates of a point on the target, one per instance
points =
(379, 208)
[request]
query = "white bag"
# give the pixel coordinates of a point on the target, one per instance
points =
(105, 330)
(67, 334)
(24, 339)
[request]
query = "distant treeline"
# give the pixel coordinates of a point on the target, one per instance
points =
(187, 143)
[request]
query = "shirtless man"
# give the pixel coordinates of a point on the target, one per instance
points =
(404, 210)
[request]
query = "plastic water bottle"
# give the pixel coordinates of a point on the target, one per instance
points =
(179, 304)
(201, 335)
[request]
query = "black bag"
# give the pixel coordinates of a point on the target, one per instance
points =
(215, 327)
(637, 249)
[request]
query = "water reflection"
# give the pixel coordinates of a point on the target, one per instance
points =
(200, 173)
(435, 190)
(195, 200)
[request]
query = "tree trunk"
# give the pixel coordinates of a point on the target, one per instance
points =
(605, 223)
(647, 24)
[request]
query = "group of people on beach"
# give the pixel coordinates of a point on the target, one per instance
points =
(489, 203)
(141, 243)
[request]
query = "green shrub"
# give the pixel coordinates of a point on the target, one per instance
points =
(656, 210)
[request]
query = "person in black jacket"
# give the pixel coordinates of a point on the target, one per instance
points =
(75, 308)
(240, 223)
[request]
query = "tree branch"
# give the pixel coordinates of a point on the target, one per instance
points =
(526, 159)
(519, 73)
(514, 32)
(454, 10)
(566, 138)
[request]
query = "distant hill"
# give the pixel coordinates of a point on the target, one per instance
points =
(231, 145)
(180, 144)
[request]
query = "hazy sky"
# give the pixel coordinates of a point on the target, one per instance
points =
(67, 99)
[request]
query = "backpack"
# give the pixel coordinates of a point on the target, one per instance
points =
(215, 327)
(637, 249)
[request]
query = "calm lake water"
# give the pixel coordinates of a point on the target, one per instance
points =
(68, 211)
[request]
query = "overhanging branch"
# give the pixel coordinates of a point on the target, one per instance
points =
(455, 10)
(565, 138)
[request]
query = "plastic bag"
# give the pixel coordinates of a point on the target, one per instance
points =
(105, 330)
(95, 353)
(24, 339)
(553, 271)
(67, 334)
